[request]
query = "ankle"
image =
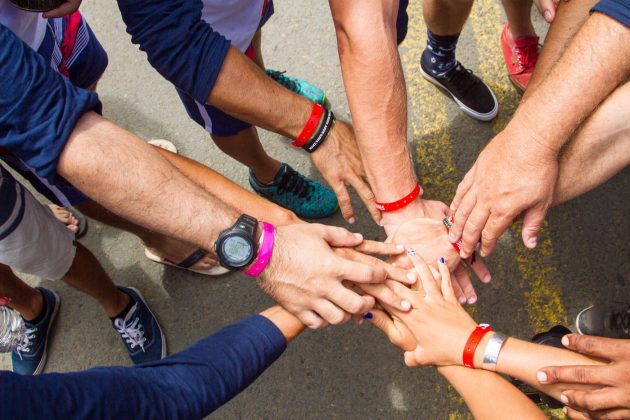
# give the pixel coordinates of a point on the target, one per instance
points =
(122, 303)
(35, 308)
(521, 31)
(265, 174)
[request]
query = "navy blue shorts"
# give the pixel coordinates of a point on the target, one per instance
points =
(211, 118)
(70, 48)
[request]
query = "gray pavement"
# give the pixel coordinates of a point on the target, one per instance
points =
(344, 372)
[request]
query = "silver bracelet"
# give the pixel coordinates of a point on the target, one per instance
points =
(493, 349)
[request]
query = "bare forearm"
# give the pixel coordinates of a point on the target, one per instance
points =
(522, 360)
(375, 86)
(130, 178)
(244, 91)
(289, 325)
(489, 396)
(598, 150)
(576, 86)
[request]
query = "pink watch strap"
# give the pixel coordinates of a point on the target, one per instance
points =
(264, 251)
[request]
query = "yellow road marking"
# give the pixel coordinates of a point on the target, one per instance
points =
(438, 173)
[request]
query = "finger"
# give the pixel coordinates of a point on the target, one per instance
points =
(464, 210)
(446, 286)
(462, 190)
(412, 357)
(406, 293)
(337, 236)
(380, 248)
(546, 9)
(472, 231)
(604, 348)
(426, 277)
(361, 272)
(366, 195)
(480, 269)
(595, 375)
(495, 226)
(387, 296)
(385, 323)
(311, 320)
(349, 301)
(462, 278)
(459, 293)
(330, 312)
(60, 11)
(532, 223)
(574, 414)
(595, 400)
(620, 413)
(345, 204)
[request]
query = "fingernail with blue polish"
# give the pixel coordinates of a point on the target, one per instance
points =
(441, 260)
(368, 315)
(411, 252)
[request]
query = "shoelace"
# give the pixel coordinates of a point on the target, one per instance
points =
(131, 331)
(462, 80)
(526, 56)
(294, 184)
(279, 77)
(620, 320)
(24, 346)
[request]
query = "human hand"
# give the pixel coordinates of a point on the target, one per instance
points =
(70, 6)
(612, 399)
(512, 175)
(547, 8)
(339, 161)
(429, 239)
(313, 281)
(438, 322)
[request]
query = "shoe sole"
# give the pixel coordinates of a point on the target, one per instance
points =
(154, 317)
(518, 87)
(468, 111)
(42, 362)
(577, 318)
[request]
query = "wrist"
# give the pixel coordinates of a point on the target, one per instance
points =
(393, 219)
(479, 352)
(530, 139)
(265, 234)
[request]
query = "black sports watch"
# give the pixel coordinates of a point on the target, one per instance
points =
(237, 247)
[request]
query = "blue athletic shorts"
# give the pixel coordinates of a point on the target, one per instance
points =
(72, 50)
(212, 119)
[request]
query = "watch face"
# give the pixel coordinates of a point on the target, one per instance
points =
(237, 250)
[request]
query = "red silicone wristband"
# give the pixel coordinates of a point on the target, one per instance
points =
(472, 343)
(311, 125)
(396, 205)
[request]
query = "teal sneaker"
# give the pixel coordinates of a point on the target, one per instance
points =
(299, 86)
(304, 197)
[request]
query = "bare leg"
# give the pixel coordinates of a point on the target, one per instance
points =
(88, 276)
(246, 148)
(25, 299)
(518, 13)
(446, 17)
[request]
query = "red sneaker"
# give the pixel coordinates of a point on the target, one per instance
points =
(520, 57)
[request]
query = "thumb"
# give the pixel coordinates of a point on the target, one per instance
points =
(547, 9)
(532, 223)
(340, 237)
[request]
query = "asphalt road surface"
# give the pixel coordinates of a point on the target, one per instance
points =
(345, 372)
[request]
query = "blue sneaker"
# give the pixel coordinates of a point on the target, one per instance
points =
(292, 190)
(29, 358)
(299, 86)
(140, 331)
